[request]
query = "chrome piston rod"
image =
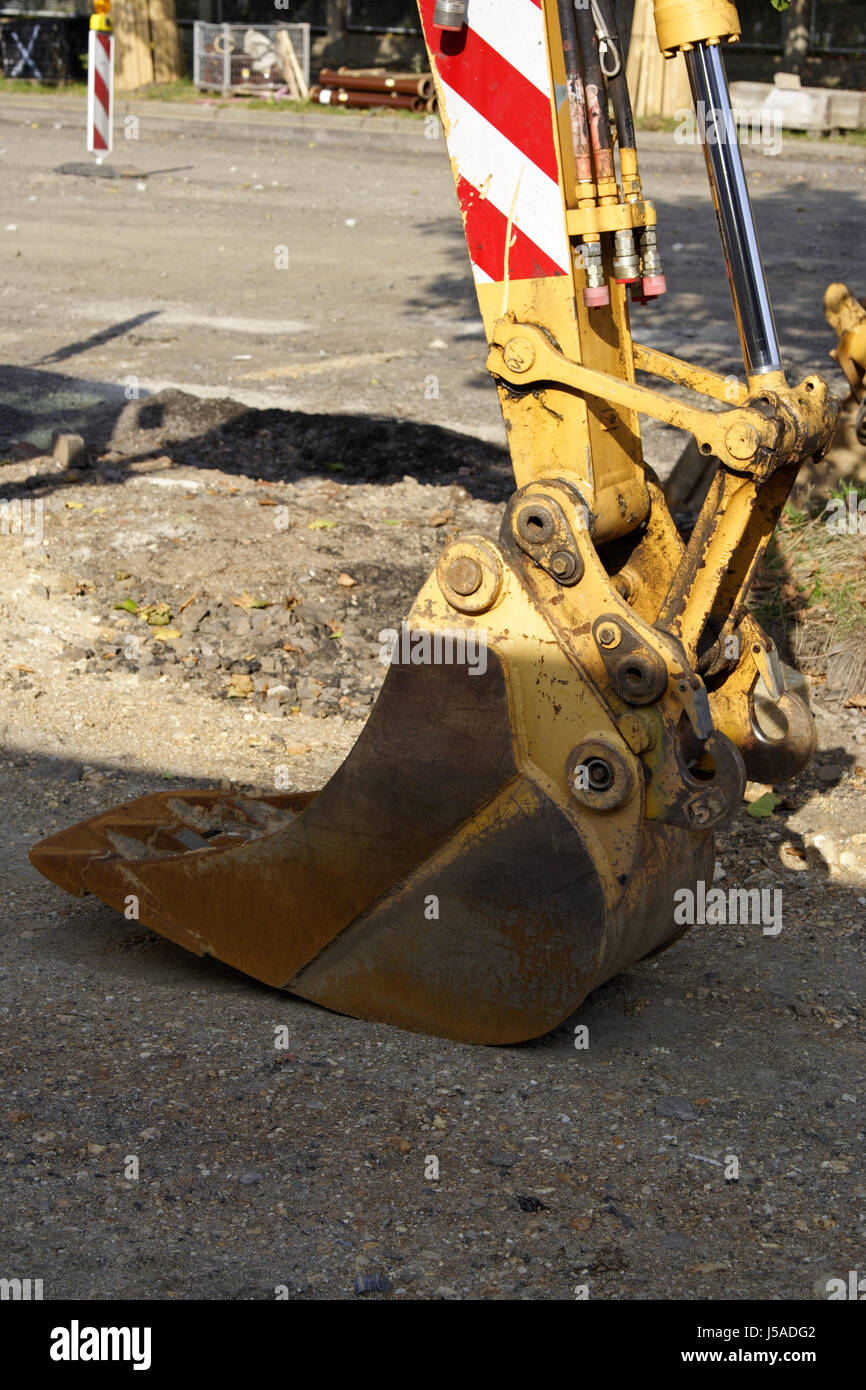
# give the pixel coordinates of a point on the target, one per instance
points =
(731, 197)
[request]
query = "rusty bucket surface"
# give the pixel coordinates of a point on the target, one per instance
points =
(442, 880)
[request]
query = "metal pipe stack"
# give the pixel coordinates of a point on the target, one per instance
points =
(375, 87)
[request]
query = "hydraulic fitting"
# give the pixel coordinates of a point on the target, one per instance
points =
(654, 282)
(626, 262)
(596, 293)
(682, 23)
(449, 14)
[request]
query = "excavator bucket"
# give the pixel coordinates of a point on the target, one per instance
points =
(570, 709)
(442, 880)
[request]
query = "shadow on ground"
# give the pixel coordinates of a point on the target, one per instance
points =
(278, 445)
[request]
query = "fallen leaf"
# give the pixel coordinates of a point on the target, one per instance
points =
(167, 634)
(248, 600)
(441, 518)
(74, 506)
(394, 1141)
(346, 581)
(155, 614)
(320, 525)
(856, 702)
(793, 851)
(764, 806)
(710, 1267)
(128, 604)
(240, 685)
(186, 603)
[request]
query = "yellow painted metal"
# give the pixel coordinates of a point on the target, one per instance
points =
(629, 173)
(553, 705)
(701, 379)
(847, 318)
(683, 23)
(611, 217)
(554, 431)
(566, 379)
(714, 431)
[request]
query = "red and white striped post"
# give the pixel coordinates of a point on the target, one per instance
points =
(100, 81)
(495, 95)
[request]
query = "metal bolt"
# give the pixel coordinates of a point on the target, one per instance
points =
(599, 774)
(563, 564)
(741, 441)
(518, 354)
(535, 524)
(707, 807)
(609, 635)
(465, 575)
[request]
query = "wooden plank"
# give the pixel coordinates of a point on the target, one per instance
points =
(659, 86)
(133, 64)
(291, 61)
(640, 55)
(165, 41)
(286, 52)
(635, 52)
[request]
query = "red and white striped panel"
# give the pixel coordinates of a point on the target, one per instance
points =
(495, 90)
(100, 91)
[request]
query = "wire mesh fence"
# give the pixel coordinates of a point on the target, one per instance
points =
(39, 50)
(244, 57)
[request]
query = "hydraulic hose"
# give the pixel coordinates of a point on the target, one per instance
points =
(576, 94)
(596, 102)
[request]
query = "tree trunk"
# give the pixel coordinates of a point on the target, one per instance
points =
(338, 19)
(795, 34)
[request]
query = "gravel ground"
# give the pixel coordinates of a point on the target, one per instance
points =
(303, 1160)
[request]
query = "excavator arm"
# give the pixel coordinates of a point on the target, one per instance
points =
(508, 833)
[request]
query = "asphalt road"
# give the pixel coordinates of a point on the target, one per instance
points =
(298, 1164)
(321, 265)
